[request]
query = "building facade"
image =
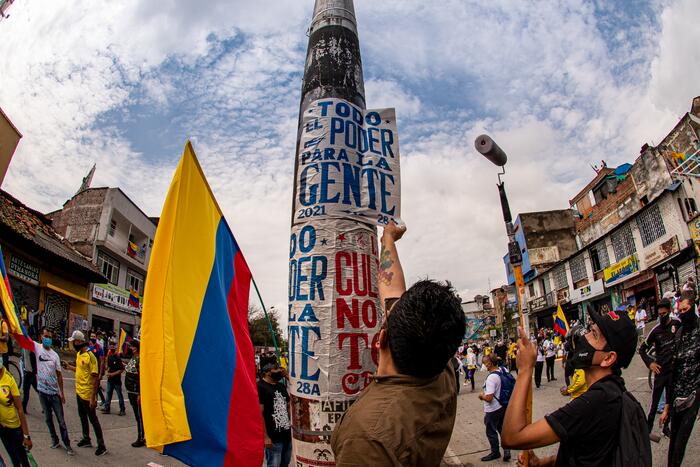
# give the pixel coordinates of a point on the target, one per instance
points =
(636, 229)
(46, 273)
(110, 229)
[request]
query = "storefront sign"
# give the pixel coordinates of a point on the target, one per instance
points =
(643, 277)
(588, 292)
(621, 270)
(660, 252)
(348, 164)
(117, 297)
(537, 303)
(24, 270)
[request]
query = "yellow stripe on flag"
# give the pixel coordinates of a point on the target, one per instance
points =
(178, 275)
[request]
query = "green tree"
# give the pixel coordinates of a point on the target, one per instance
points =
(260, 330)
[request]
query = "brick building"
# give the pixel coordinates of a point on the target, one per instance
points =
(637, 227)
(111, 230)
(46, 273)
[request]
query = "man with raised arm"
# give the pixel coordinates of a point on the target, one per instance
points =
(406, 415)
(587, 427)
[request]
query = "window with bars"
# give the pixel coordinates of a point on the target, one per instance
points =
(651, 225)
(559, 274)
(599, 256)
(623, 242)
(109, 267)
(578, 268)
(134, 281)
(112, 227)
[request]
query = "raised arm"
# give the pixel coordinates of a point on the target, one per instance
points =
(392, 283)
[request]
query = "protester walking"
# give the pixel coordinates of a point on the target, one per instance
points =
(132, 375)
(494, 411)
(640, 319)
(423, 327)
(682, 398)
(95, 346)
(588, 427)
(550, 354)
(471, 367)
(50, 388)
(539, 363)
(578, 385)
(14, 431)
(86, 381)
(115, 368)
(661, 340)
(28, 364)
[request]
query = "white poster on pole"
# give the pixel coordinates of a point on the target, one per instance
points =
(348, 164)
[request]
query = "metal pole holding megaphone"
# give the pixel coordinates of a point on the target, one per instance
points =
(489, 149)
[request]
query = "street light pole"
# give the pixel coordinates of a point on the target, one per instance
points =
(488, 148)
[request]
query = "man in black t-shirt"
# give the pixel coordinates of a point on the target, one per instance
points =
(274, 403)
(115, 368)
(587, 428)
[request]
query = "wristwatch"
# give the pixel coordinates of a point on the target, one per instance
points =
(27, 437)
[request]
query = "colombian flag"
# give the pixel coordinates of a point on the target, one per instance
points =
(132, 249)
(198, 390)
(9, 312)
(561, 326)
(124, 339)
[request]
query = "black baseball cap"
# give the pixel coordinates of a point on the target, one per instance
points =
(620, 333)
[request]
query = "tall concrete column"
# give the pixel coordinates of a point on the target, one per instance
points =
(334, 314)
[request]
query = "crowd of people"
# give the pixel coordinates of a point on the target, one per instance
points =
(95, 358)
(423, 362)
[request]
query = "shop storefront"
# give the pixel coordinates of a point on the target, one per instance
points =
(592, 295)
(641, 290)
(115, 309)
(25, 289)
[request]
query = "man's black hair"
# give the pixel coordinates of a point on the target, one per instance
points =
(135, 344)
(425, 328)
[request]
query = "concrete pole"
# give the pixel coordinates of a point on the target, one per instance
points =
(334, 313)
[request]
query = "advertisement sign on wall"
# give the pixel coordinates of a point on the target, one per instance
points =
(621, 270)
(588, 292)
(117, 297)
(660, 252)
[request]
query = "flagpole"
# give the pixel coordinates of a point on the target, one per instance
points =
(269, 323)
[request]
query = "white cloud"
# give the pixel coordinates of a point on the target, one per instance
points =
(554, 89)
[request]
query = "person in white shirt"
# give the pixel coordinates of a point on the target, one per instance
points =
(539, 364)
(493, 410)
(550, 354)
(50, 388)
(640, 318)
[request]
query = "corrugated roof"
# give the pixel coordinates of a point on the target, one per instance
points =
(33, 226)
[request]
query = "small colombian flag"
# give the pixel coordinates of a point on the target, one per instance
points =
(561, 326)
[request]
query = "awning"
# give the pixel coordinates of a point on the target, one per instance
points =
(58, 289)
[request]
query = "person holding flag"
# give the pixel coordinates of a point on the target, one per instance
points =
(124, 340)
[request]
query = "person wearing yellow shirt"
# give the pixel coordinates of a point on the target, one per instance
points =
(14, 431)
(512, 351)
(86, 381)
(577, 387)
(4, 339)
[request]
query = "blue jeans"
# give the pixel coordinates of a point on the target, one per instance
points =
(108, 400)
(51, 404)
(279, 454)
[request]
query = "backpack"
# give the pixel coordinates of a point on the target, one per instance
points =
(633, 447)
(507, 385)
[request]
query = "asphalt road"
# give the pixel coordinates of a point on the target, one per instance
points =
(119, 432)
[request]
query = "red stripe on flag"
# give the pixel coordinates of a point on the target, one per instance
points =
(245, 424)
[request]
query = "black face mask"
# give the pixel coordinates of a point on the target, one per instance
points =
(582, 356)
(79, 346)
(276, 376)
(664, 320)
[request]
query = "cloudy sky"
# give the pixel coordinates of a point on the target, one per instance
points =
(124, 84)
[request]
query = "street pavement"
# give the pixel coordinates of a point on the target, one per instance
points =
(468, 444)
(119, 432)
